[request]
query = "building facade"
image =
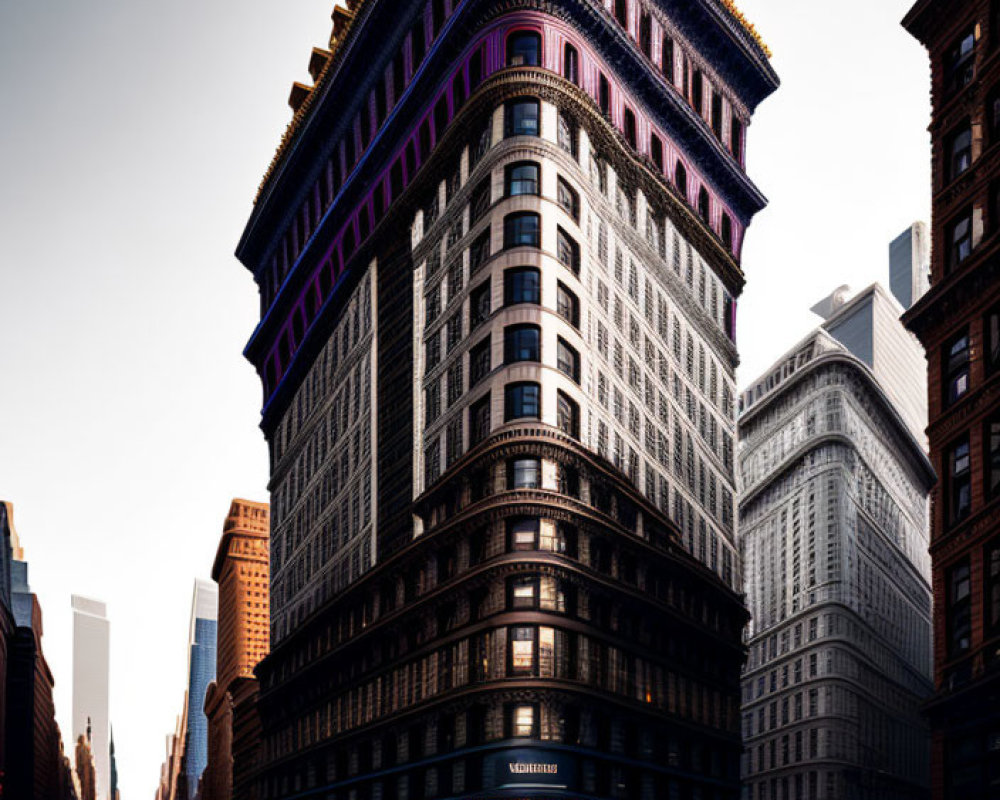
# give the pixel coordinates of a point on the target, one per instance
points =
(958, 322)
(833, 531)
(33, 743)
(91, 685)
(498, 255)
(8, 536)
(242, 573)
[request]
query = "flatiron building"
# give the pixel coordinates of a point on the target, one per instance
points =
(498, 254)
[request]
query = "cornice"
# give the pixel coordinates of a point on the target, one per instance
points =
(950, 299)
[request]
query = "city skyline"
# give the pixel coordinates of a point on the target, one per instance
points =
(196, 504)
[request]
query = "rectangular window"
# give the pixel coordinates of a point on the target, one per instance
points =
(959, 483)
(479, 361)
(479, 304)
(522, 650)
(567, 359)
(568, 199)
(567, 305)
(522, 117)
(521, 178)
(959, 609)
(479, 251)
(957, 369)
(959, 152)
(524, 473)
(479, 420)
(960, 60)
(568, 251)
(523, 722)
(523, 534)
(959, 240)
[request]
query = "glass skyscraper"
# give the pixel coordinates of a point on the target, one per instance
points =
(201, 672)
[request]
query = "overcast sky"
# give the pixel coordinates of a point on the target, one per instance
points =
(133, 135)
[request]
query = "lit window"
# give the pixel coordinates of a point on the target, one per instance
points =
(522, 117)
(522, 651)
(524, 49)
(523, 721)
(523, 534)
(524, 593)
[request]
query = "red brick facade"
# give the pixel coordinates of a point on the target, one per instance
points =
(958, 322)
(242, 571)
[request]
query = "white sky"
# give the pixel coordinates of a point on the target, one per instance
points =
(133, 136)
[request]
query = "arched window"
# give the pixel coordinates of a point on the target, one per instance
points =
(571, 64)
(521, 229)
(522, 117)
(524, 49)
(629, 124)
(681, 178)
(726, 231)
(604, 95)
(703, 203)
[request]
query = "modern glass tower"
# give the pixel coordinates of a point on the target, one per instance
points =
(201, 672)
(834, 533)
(498, 255)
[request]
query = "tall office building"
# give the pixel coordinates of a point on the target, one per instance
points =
(242, 573)
(834, 534)
(33, 769)
(201, 672)
(909, 264)
(91, 689)
(498, 255)
(958, 322)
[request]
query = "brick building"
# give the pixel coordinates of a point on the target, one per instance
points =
(958, 322)
(242, 574)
